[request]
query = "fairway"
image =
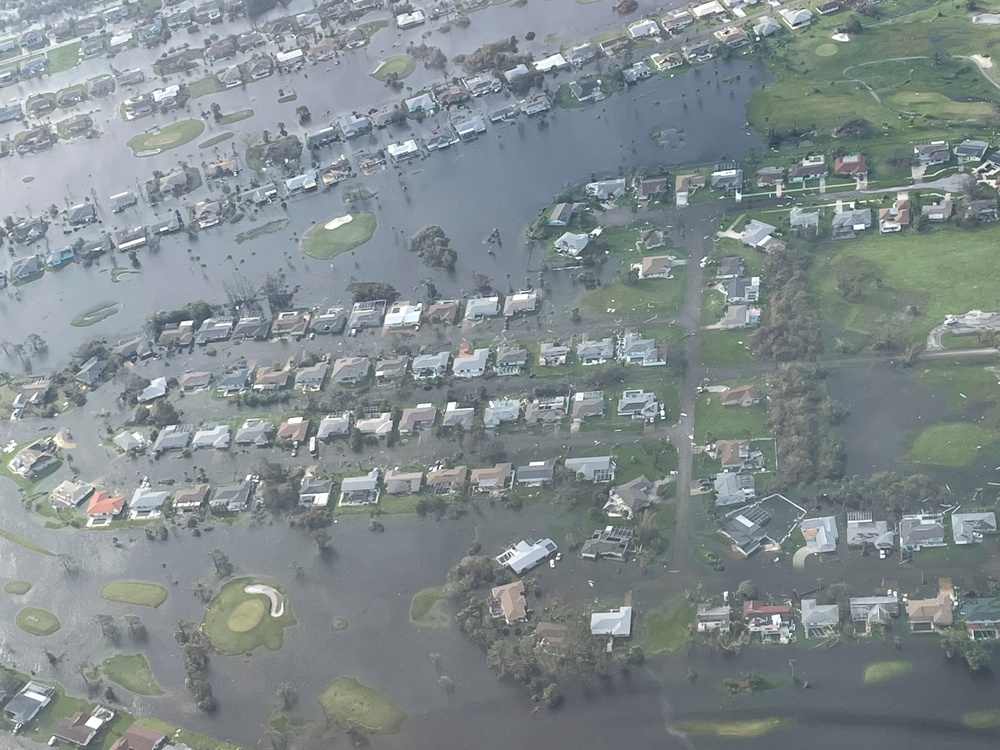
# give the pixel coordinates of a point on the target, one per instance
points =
(135, 592)
(25, 542)
(425, 607)
(132, 672)
(348, 702)
(169, 136)
(17, 588)
(232, 117)
(37, 621)
(400, 65)
(221, 138)
(237, 622)
(883, 671)
(320, 242)
(951, 444)
(745, 728)
(95, 314)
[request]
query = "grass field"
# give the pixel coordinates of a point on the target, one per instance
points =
(883, 671)
(668, 633)
(987, 719)
(320, 242)
(63, 58)
(953, 444)
(25, 542)
(348, 702)
(206, 86)
(37, 621)
(949, 270)
(17, 588)
(132, 672)
(425, 610)
(645, 297)
(237, 629)
(234, 117)
(95, 314)
(735, 729)
(713, 421)
(216, 140)
(135, 592)
(722, 348)
(401, 65)
(169, 136)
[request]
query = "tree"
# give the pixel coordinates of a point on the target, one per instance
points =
(277, 292)
(747, 590)
(109, 628)
(552, 695)
(203, 591)
(69, 563)
(433, 248)
(136, 627)
(976, 656)
(223, 567)
(322, 539)
(288, 695)
(37, 343)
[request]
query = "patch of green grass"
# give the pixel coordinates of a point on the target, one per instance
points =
(424, 608)
(400, 65)
(25, 542)
(713, 421)
(348, 702)
(987, 719)
(221, 138)
(706, 556)
(185, 736)
(95, 314)
(664, 634)
(320, 242)
(724, 348)
(139, 593)
(234, 117)
(741, 729)
(269, 632)
(132, 672)
(169, 136)
(18, 588)
(63, 58)
(645, 297)
(337, 624)
(950, 444)
(206, 86)
(369, 28)
(883, 671)
(37, 621)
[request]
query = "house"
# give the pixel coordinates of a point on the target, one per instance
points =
(409, 20)
(233, 382)
(216, 437)
(417, 418)
(69, 494)
(470, 128)
(571, 244)
(403, 150)
(727, 180)
(757, 233)
(666, 60)
(30, 699)
(654, 267)
(232, 499)
(127, 442)
(78, 729)
(862, 531)
(972, 528)
(34, 460)
(770, 176)
(146, 504)
(175, 437)
(94, 249)
(443, 310)
(633, 349)
(92, 372)
(361, 490)
(256, 432)
(314, 492)
(310, 379)
(157, 388)
(267, 378)
(190, 498)
(548, 410)
(651, 187)
(561, 214)
(441, 481)
(627, 500)
(551, 354)
(403, 482)
(799, 218)
(772, 622)
(745, 529)
(403, 315)
(606, 190)
(138, 737)
(103, 506)
(426, 366)
(614, 624)
(730, 267)
(518, 71)
(921, 530)
(338, 423)
(733, 488)
(850, 223)
(930, 154)
(306, 182)
(941, 210)
(736, 455)
(36, 391)
(294, 430)
(595, 352)
(85, 213)
(391, 370)
(526, 554)
(810, 168)
(266, 193)
(581, 54)
(852, 166)
(820, 533)
(519, 302)
(508, 602)
(491, 479)
(333, 320)
(971, 151)
(260, 67)
(638, 404)
(733, 37)
(592, 469)
(479, 308)
(456, 415)
(498, 411)
(765, 27)
(615, 44)
(819, 620)
(612, 542)
(896, 216)
(796, 18)
(831, 6)
(483, 83)
(646, 28)
(130, 238)
(871, 611)
(637, 72)
(468, 365)
(350, 370)
(587, 404)
(535, 473)
(929, 615)
(550, 634)
(742, 395)
(422, 103)
(221, 50)
(982, 618)
(983, 210)
(739, 316)
(231, 77)
(510, 360)
(26, 269)
(710, 618)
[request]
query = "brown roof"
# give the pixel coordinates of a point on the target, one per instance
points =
(447, 476)
(294, 431)
(191, 495)
(498, 475)
(512, 602)
(850, 164)
(74, 729)
(138, 737)
(729, 451)
(743, 395)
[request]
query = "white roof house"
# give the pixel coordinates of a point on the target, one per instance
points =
(403, 315)
(526, 554)
(797, 18)
(820, 533)
(482, 307)
(644, 28)
(552, 62)
(616, 624)
(407, 149)
(970, 528)
(572, 244)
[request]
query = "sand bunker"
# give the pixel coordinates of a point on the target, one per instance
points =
(275, 597)
(338, 222)
(982, 62)
(840, 38)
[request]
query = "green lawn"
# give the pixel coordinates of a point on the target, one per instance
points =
(348, 702)
(424, 608)
(723, 348)
(713, 421)
(883, 671)
(320, 242)
(400, 65)
(37, 621)
(169, 136)
(16, 587)
(733, 729)
(225, 622)
(132, 672)
(234, 117)
(206, 86)
(668, 633)
(216, 140)
(25, 542)
(63, 58)
(987, 719)
(645, 297)
(952, 444)
(135, 592)
(706, 556)
(95, 314)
